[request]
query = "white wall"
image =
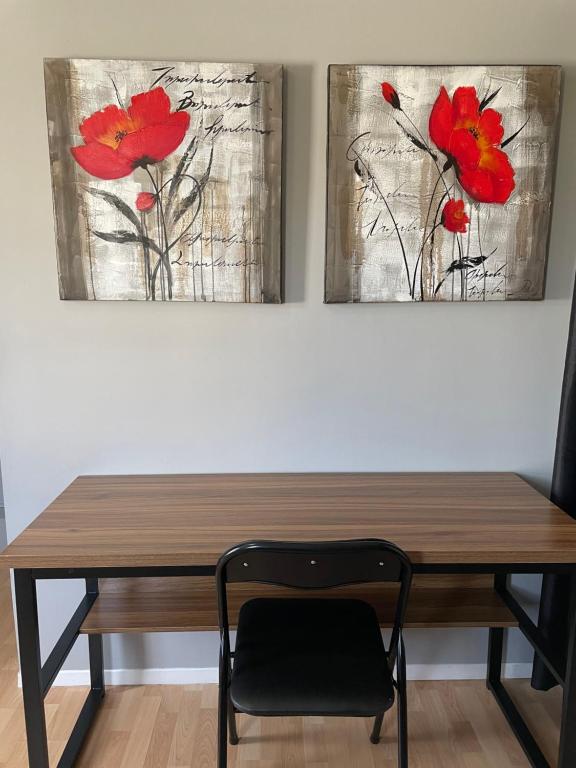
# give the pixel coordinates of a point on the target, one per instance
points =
(296, 387)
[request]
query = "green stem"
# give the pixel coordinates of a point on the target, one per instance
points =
(165, 256)
(425, 239)
(430, 234)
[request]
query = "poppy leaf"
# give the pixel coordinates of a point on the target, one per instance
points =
(182, 168)
(123, 236)
(415, 140)
(467, 263)
(440, 284)
(487, 99)
(476, 260)
(511, 138)
(199, 184)
(456, 265)
(119, 204)
(187, 202)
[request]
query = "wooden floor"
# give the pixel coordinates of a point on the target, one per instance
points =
(452, 725)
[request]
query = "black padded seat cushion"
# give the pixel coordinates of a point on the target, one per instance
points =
(310, 657)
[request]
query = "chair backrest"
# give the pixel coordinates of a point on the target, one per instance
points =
(316, 565)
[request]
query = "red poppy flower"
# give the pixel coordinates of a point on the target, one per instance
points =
(116, 141)
(391, 95)
(470, 137)
(145, 201)
(454, 217)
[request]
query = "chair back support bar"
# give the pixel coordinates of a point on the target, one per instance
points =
(316, 565)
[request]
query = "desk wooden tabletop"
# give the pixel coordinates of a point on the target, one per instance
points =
(175, 520)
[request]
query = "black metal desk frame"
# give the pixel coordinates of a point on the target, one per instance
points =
(37, 678)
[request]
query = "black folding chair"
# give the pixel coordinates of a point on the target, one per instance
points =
(309, 656)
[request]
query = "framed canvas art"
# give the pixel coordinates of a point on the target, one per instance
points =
(439, 182)
(166, 179)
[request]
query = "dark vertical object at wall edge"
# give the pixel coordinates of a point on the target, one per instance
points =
(555, 598)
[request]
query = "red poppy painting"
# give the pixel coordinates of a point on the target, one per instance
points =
(440, 182)
(166, 179)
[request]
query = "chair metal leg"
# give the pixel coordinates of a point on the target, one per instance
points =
(402, 706)
(222, 716)
(233, 733)
(375, 735)
(402, 729)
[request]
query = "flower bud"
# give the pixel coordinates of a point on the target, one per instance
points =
(145, 201)
(391, 95)
(454, 217)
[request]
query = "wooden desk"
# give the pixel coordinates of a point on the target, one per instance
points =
(169, 525)
(184, 520)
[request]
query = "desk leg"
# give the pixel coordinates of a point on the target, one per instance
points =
(495, 644)
(495, 650)
(31, 668)
(95, 649)
(507, 705)
(567, 755)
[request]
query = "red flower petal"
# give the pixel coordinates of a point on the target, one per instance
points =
(470, 139)
(103, 123)
(464, 149)
(154, 143)
(117, 141)
(145, 201)
(497, 163)
(102, 161)
(493, 180)
(150, 107)
(454, 217)
(465, 105)
(503, 189)
(478, 184)
(490, 126)
(440, 124)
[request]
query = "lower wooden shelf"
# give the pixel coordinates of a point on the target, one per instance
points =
(183, 604)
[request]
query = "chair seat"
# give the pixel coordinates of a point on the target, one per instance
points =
(310, 657)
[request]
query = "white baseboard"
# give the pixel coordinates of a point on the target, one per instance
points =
(195, 675)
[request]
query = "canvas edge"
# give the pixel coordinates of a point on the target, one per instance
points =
(278, 296)
(51, 67)
(554, 171)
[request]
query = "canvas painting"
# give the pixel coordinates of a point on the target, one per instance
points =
(439, 182)
(166, 179)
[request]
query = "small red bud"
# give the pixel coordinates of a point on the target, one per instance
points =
(145, 201)
(454, 217)
(391, 95)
